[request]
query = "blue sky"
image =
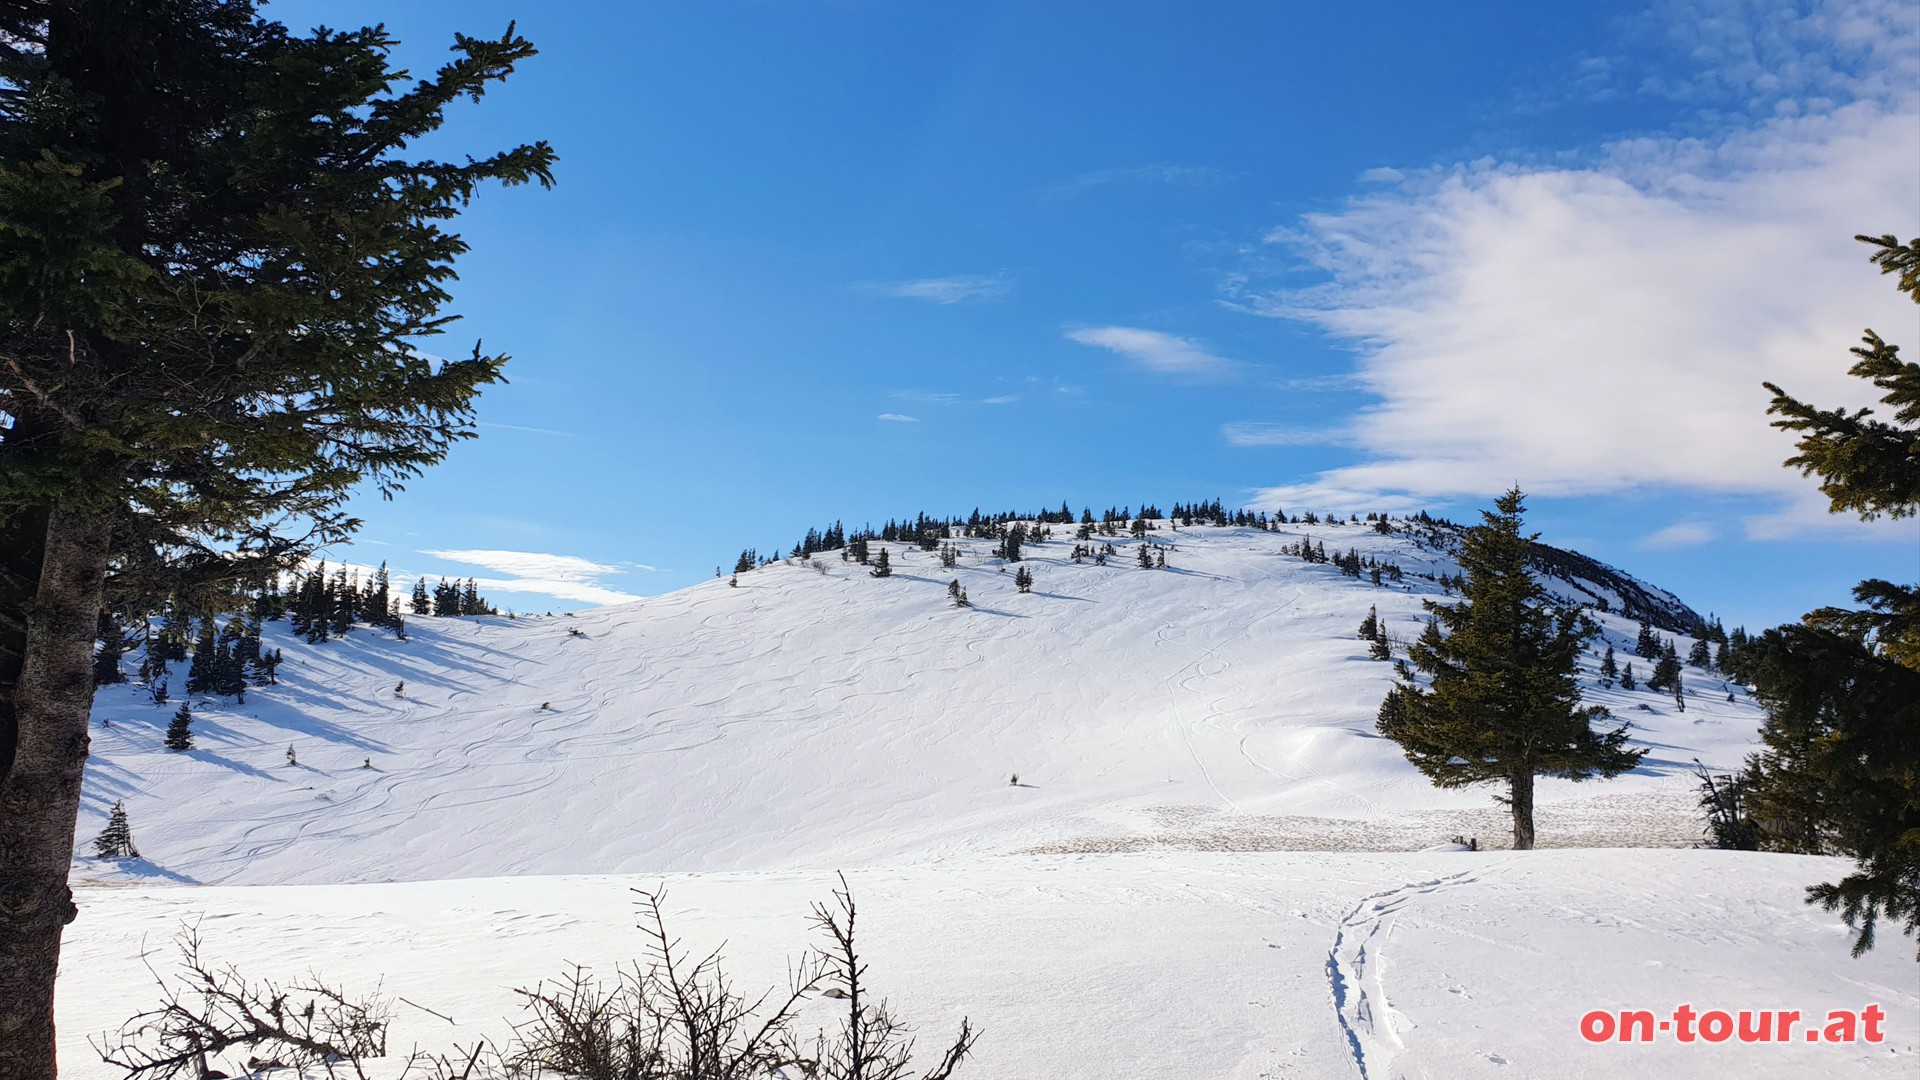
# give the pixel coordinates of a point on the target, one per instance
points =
(854, 260)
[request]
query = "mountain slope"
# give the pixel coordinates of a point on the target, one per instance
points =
(815, 715)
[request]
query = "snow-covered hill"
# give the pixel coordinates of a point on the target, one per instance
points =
(1211, 866)
(815, 715)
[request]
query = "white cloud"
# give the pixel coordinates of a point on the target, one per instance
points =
(1248, 434)
(943, 290)
(1002, 399)
(1683, 534)
(1383, 175)
(1596, 329)
(567, 577)
(898, 418)
(1158, 352)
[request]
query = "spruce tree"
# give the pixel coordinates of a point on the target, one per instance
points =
(116, 840)
(882, 565)
(1609, 669)
(1626, 677)
(1666, 670)
(204, 670)
(1503, 706)
(1370, 626)
(218, 259)
(1699, 656)
(421, 604)
(1647, 647)
(1840, 771)
(180, 730)
(113, 645)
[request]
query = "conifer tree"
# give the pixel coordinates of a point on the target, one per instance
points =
(116, 840)
(1023, 579)
(219, 259)
(1609, 669)
(1666, 670)
(422, 604)
(1840, 771)
(1503, 706)
(1698, 656)
(1648, 646)
(1626, 677)
(206, 660)
(113, 645)
(180, 730)
(1370, 626)
(882, 565)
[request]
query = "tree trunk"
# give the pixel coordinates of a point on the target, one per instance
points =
(40, 796)
(1522, 803)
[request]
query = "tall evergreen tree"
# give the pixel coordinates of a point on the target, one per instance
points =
(217, 260)
(1840, 771)
(180, 729)
(1609, 668)
(113, 645)
(1503, 705)
(116, 840)
(1699, 656)
(882, 565)
(203, 672)
(1666, 670)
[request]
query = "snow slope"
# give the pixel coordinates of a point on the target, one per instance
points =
(818, 716)
(1211, 867)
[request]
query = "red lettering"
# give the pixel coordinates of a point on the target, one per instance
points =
(1716, 1026)
(1683, 1023)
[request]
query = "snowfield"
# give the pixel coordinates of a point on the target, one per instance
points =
(1211, 866)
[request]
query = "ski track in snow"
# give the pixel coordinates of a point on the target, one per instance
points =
(1357, 973)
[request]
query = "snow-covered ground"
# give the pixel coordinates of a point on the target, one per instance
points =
(1169, 965)
(1210, 867)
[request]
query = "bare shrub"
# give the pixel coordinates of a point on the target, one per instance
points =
(206, 1011)
(668, 1016)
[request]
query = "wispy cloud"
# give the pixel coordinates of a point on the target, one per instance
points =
(1683, 534)
(1604, 327)
(942, 290)
(1161, 353)
(898, 418)
(1170, 175)
(948, 397)
(1250, 434)
(567, 577)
